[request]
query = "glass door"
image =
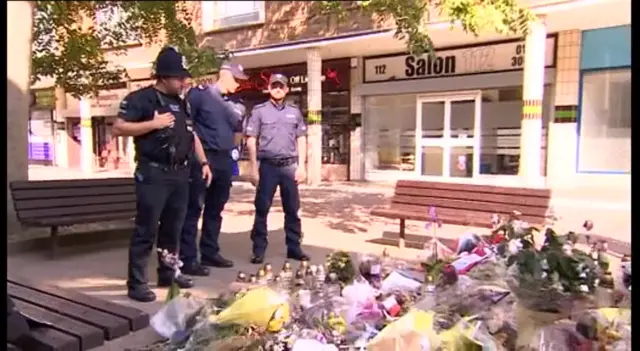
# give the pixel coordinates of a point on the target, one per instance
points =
(448, 135)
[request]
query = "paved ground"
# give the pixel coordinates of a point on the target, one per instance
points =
(334, 217)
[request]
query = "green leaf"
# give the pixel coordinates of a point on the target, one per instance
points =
(411, 17)
(76, 57)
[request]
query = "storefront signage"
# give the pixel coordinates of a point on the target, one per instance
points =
(108, 98)
(43, 98)
(335, 77)
(500, 57)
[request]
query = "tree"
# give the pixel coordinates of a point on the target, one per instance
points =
(411, 16)
(73, 52)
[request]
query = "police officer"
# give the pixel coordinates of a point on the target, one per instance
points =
(216, 120)
(279, 131)
(162, 130)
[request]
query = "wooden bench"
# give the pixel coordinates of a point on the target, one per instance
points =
(62, 319)
(57, 203)
(463, 204)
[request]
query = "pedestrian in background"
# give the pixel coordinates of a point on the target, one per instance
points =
(162, 130)
(277, 138)
(216, 121)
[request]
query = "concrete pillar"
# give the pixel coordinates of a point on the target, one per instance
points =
(532, 95)
(314, 116)
(86, 136)
(19, 24)
(131, 152)
(356, 159)
(562, 143)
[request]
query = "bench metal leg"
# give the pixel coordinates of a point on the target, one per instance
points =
(54, 242)
(402, 230)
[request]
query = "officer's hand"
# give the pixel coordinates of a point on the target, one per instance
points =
(254, 177)
(163, 120)
(207, 176)
(301, 175)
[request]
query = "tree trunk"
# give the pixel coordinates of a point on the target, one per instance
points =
(19, 24)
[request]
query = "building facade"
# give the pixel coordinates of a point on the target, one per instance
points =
(482, 110)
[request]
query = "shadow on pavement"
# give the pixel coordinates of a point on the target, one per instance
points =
(347, 211)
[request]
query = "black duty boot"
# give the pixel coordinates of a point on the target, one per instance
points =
(257, 259)
(195, 269)
(297, 255)
(141, 293)
(216, 261)
(183, 282)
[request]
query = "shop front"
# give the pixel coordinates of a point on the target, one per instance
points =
(335, 106)
(454, 116)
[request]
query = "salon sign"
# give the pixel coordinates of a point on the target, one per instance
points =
(490, 58)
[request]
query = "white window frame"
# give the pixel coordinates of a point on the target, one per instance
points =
(213, 17)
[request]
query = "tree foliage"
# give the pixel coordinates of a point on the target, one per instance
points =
(412, 16)
(74, 54)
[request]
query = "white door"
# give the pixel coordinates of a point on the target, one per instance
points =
(448, 135)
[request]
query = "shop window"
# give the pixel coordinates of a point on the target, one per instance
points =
(225, 14)
(389, 132)
(605, 122)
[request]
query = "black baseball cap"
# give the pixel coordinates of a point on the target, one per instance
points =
(278, 78)
(236, 70)
(171, 63)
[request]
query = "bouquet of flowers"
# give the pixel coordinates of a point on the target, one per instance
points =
(340, 265)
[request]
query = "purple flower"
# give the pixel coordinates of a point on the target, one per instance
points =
(433, 214)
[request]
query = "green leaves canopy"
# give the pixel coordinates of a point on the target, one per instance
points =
(412, 16)
(75, 55)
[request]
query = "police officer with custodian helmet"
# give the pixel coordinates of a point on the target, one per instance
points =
(216, 120)
(159, 122)
(277, 137)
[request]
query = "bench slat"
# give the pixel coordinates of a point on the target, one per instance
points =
(474, 188)
(47, 339)
(69, 183)
(137, 319)
(60, 194)
(112, 326)
(478, 206)
(77, 210)
(74, 201)
(70, 220)
(446, 215)
(474, 196)
(88, 335)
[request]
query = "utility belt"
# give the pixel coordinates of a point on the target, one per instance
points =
(166, 166)
(280, 162)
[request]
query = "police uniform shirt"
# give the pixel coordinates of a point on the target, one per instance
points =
(214, 119)
(140, 106)
(277, 127)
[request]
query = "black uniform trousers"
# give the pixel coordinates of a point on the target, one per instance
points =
(273, 175)
(161, 197)
(197, 191)
(215, 198)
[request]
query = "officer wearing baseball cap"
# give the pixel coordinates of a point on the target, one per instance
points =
(216, 119)
(162, 130)
(277, 137)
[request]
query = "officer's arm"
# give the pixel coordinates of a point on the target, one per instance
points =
(202, 158)
(240, 111)
(252, 132)
(131, 120)
(301, 134)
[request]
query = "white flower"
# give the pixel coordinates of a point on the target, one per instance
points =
(514, 246)
(626, 267)
(584, 288)
(596, 282)
(544, 264)
(568, 249)
(583, 275)
(544, 275)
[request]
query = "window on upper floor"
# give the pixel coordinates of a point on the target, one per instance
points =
(225, 14)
